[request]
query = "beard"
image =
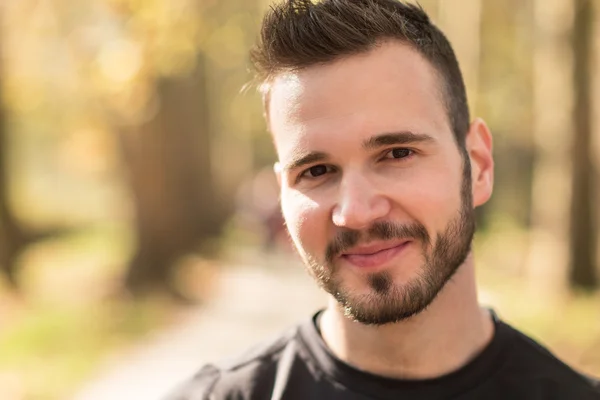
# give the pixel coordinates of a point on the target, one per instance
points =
(390, 302)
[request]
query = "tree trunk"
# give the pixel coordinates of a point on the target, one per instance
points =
(12, 237)
(548, 254)
(582, 272)
(172, 182)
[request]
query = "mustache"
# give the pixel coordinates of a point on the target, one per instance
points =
(382, 230)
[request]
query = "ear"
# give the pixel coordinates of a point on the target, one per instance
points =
(277, 169)
(479, 147)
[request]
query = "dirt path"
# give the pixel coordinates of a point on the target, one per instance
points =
(251, 303)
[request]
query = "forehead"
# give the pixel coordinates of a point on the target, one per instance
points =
(390, 88)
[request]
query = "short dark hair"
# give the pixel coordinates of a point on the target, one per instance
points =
(297, 34)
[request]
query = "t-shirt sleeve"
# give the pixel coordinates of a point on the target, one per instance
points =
(199, 387)
(595, 382)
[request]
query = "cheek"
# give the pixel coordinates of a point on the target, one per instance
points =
(431, 198)
(306, 221)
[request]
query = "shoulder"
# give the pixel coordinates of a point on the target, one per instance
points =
(199, 387)
(594, 382)
(530, 360)
(252, 372)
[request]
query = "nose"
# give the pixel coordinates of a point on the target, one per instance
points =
(360, 203)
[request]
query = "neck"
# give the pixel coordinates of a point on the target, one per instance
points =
(439, 340)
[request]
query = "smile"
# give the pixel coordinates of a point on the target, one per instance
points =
(374, 256)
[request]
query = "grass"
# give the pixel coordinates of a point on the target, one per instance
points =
(70, 319)
(52, 349)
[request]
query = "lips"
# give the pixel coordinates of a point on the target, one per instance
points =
(374, 255)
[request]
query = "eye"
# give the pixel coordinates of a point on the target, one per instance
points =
(398, 153)
(316, 171)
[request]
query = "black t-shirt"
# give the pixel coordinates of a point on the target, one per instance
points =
(298, 366)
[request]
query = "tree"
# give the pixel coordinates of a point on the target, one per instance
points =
(12, 237)
(548, 254)
(179, 91)
(171, 178)
(583, 236)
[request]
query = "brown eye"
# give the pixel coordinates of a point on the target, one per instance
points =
(316, 171)
(400, 153)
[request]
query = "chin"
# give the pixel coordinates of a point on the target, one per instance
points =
(383, 299)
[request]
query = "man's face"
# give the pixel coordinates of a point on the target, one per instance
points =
(374, 189)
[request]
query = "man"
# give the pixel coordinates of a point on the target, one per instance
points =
(380, 170)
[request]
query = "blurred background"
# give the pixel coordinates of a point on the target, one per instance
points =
(140, 234)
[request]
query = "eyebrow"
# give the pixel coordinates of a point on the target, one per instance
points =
(385, 139)
(305, 159)
(404, 137)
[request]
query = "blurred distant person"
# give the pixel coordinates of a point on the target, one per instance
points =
(380, 170)
(258, 202)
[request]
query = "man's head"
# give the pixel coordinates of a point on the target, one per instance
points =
(378, 166)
